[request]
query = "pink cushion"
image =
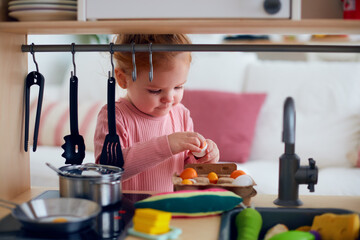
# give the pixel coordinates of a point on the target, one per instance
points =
(229, 119)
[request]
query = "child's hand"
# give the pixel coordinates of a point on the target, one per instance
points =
(183, 141)
(212, 153)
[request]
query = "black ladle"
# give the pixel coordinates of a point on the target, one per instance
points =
(74, 145)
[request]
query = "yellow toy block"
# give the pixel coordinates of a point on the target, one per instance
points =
(337, 226)
(152, 229)
(144, 221)
(152, 214)
(151, 221)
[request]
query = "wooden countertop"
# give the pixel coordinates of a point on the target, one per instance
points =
(207, 228)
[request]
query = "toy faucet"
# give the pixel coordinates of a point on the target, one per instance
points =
(291, 174)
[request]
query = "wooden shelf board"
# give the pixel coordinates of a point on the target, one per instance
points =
(188, 26)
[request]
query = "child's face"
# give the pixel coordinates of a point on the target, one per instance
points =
(156, 98)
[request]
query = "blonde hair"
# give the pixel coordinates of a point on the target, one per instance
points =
(159, 59)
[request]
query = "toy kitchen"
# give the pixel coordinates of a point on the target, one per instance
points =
(201, 209)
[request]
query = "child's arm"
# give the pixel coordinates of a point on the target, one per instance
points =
(139, 156)
(147, 154)
(143, 155)
(185, 141)
(212, 152)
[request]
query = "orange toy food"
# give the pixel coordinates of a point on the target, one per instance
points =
(203, 150)
(60, 220)
(213, 177)
(188, 173)
(237, 173)
(187, 182)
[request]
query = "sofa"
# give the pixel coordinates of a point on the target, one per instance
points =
(236, 100)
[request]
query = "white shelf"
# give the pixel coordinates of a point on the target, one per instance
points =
(187, 26)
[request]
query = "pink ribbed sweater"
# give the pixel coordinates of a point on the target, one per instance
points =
(149, 163)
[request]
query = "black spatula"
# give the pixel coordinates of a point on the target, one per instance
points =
(74, 145)
(111, 153)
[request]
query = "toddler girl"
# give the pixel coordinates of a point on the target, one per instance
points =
(155, 129)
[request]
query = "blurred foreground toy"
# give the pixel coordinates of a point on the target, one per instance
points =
(337, 226)
(293, 235)
(248, 223)
(188, 203)
(328, 226)
(278, 228)
(153, 224)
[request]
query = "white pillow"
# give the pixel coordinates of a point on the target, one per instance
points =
(327, 103)
(221, 71)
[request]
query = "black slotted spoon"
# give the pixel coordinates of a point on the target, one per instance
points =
(111, 153)
(74, 145)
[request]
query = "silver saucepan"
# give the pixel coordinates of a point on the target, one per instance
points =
(55, 215)
(100, 183)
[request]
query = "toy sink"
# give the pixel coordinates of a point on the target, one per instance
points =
(291, 217)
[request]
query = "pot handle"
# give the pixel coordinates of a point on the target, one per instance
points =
(90, 166)
(56, 169)
(3, 203)
(107, 183)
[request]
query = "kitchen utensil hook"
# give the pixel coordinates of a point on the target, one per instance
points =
(112, 60)
(73, 59)
(151, 72)
(133, 62)
(33, 54)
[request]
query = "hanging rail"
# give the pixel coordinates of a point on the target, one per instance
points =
(191, 48)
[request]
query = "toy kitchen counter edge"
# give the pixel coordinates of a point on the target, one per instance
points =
(211, 225)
